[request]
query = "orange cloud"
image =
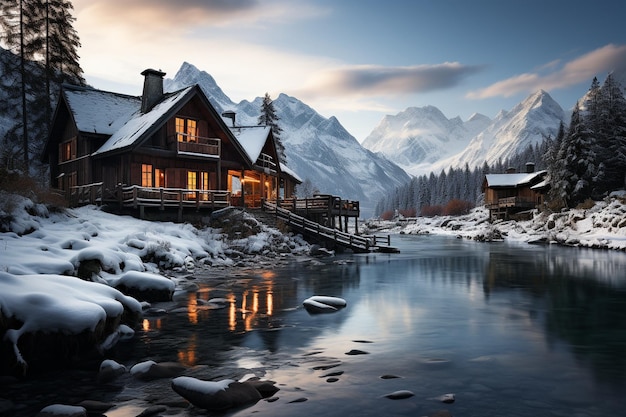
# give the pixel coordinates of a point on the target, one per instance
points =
(582, 69)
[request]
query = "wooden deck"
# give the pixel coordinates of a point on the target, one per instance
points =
(135, 196)
(354, 242)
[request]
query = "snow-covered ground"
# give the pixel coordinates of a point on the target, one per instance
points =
(602, 226)
(44, 254)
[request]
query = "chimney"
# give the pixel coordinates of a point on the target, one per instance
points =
(230, 114)
(152, 89)
(511, 170)
(530, 167)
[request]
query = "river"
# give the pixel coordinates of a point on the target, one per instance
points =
(508, 329)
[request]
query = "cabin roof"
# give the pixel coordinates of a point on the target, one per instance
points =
(286, 170)
(252, 139)
(512, 180)
(139, 123)
(97, 111)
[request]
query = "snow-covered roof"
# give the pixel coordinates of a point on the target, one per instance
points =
(100, 112)
(252, 139)
(139, 123)
(512, 180)
(284, 168)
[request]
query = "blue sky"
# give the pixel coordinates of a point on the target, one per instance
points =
(360, 59)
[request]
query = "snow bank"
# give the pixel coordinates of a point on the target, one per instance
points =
(58, 304)
(42, 253)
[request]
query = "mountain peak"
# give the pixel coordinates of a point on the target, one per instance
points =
(188, 74)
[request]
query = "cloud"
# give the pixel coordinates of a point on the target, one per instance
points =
(582, 69)
(186, 15)
(368, 80)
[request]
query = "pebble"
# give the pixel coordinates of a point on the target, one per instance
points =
(357, 352)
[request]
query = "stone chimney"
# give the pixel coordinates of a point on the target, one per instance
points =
(530, 167)
(152, 89)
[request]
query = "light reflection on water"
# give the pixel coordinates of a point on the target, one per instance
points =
(516, 330)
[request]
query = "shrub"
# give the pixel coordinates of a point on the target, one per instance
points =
(412, 212)
(457, 207)
(431, 211)
(387, 215)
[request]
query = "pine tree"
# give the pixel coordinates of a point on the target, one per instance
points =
(268, 117)
(40, 34)
(611, 132)
(579, 160)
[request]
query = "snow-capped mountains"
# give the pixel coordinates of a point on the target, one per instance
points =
(422, 140)
(317, 148)
(421, 136)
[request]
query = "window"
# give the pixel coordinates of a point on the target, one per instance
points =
(67, 150)
(146, 175)
(204, 185)
(159, 178)
(186, 130)
(192, 180)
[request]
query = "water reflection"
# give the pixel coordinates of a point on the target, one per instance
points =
(520, 330)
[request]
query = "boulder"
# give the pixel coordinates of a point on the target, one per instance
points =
(150, 370)
(323, 304)
(211, 395)
(61, 410)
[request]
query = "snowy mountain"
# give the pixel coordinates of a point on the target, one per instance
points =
(528, 123)
(423, 140)
(317, 148)
(418, 137)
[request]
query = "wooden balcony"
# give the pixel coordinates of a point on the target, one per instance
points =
(198, 146)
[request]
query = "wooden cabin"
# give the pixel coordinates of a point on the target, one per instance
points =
(160, 149)
(511, 193)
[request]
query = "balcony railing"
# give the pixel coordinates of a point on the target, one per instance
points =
(198, 145)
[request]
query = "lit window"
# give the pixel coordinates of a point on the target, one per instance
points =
(159, 178)
(186, 130)
(192, 178)
(146, 175)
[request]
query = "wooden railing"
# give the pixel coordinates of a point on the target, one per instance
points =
(86, 194)
(198, 145)
(511, 202)
(357, 243)
(135, 196)
(322, 204)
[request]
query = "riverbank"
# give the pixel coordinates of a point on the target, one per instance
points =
(601, 226)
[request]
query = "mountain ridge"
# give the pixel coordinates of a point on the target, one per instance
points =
(473, 142)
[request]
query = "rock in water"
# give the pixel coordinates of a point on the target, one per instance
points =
(61, 410)
(400, 395)
(150, 370)
(323, 304)
(210, 395)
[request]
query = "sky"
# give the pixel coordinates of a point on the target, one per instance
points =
(359, 60)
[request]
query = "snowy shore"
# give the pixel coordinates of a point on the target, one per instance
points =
(119, 259)
(602, 226)
(121, 256)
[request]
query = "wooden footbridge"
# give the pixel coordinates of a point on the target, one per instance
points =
(332, 236)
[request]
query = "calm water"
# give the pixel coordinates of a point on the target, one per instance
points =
(513, 330)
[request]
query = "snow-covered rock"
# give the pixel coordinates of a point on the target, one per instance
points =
(38, 306)
(323, 304)
(220, 395)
